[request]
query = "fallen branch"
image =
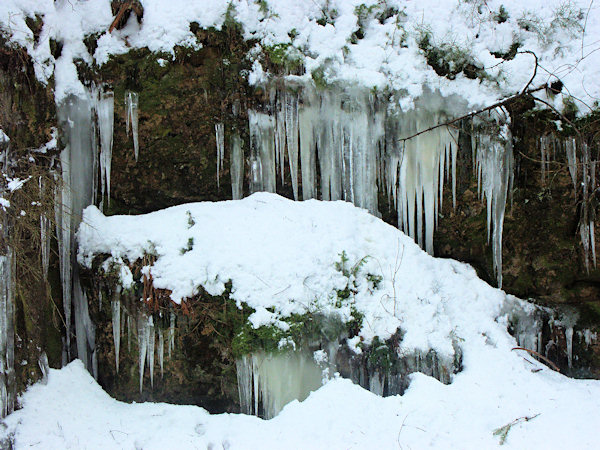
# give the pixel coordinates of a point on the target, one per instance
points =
(503, 431)
(124, 7)
(539, 355)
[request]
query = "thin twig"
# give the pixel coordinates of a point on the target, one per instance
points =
(539, 355)
(475, 113)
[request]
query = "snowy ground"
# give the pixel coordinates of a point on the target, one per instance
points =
(442, 300)
(72, 411)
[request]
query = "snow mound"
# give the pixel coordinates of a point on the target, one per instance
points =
(283, 257)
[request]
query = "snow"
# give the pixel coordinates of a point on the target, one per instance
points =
(72, 411)
(563, 35)
(282, 254)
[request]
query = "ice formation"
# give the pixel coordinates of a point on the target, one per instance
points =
(220, 141)
(161, 351)
(362, 147)
(494, 165)
(146, 343)
(267, 382)
(573, 147)
(131, 119)
(78, 182)
(237, 167)
(116, 325)
(7, 335)
(171, 344)
(105, 111)
(586, 220)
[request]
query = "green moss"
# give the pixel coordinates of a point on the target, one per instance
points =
(283, 56)
(448, 59)
(381, 355)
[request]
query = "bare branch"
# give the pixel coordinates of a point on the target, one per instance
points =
(479, 111)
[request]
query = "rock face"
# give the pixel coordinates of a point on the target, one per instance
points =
(181, 101)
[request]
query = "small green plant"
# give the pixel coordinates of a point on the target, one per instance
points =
(448, 59)
(190, 220)
(502, 15)
(189, 247)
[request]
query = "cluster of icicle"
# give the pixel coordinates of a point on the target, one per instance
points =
(268, 381)
(494, 163)
(87, 123)
(347, 144)
(550, 146)
(143, 325)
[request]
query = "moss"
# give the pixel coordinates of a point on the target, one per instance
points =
(448, 60)
(283, 56)
(380, 355)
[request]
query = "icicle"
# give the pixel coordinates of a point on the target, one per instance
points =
(44, 367)
(244, 379)
(116, 323)
(495, 163)
(171, 333)
(267, 382)
(237, 167)
(262, 149)
(570, 149)
(161, 352)
(77, 164)
(376, 383)
(143, 338)
(220, 140)
(44, 234)
(569, 338)
(129, 331)
(45, 244)
(7, 334)
(105, 111)
(131, 117)
(420, 187)
(150, 352)
(291, 130)
(308, 119)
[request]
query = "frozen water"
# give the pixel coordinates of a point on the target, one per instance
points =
(161, 351)
(237, 167)
(571, 151)
(151, 342)
(77, 171)
(7, 336)
(131, 118)
(44, 367)
(267, 382)
(116, 324)
(143, 330)
(171, 345)
(569, 338)
(105, 111)
(494, 165)
(220, 141)
(262, 152)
